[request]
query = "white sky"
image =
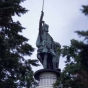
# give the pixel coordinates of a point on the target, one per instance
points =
(62, 16)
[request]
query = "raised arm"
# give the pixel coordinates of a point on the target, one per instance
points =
(41, 21)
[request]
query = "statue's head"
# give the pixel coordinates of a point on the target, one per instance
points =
(45, 27)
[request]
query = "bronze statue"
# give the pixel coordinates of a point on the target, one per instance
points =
(47, 49)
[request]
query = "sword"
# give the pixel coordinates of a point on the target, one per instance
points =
(43, 6)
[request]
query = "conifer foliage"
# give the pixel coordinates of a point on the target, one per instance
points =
(75, 74)
(15, 70)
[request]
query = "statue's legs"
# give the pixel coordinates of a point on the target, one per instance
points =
(45, 61)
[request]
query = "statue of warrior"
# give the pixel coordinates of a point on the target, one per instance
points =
(46, 52)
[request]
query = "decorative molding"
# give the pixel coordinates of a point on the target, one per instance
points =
(47, 79)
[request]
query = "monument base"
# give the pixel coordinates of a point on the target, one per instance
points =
(47, 77)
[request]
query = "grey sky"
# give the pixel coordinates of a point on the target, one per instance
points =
(62, 16)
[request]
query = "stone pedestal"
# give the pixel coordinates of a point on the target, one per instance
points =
(46, 77)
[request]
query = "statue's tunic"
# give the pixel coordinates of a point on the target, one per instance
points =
(46, 45)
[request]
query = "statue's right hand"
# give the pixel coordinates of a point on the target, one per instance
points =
(42, 13)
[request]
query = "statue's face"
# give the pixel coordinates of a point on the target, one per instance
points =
(45, 27)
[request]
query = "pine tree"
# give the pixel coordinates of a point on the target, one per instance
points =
(15, 70)
(75, 74)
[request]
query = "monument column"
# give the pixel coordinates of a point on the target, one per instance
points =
(46, 77)
(48, 54)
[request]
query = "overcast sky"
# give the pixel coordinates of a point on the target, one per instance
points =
(62, 16)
